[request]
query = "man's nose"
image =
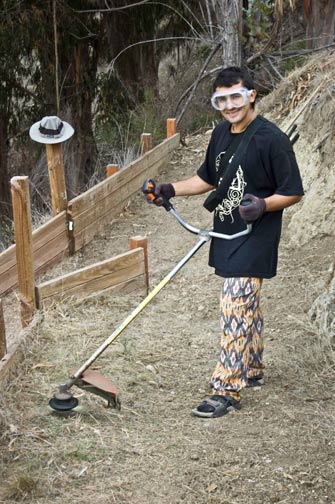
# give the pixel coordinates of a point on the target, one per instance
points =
(229, 104)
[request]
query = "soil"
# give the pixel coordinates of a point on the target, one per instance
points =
(279, 448)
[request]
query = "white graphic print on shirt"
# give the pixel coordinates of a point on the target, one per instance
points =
(234, 193)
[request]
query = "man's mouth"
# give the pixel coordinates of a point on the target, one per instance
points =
(232, 113)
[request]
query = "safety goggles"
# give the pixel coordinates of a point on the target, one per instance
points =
(237, 98)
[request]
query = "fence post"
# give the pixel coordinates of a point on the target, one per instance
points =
(111, 169)
(141, 241)
(146, 142)
(171, 127)
(56, 177)
(24, 247)
(3, 344)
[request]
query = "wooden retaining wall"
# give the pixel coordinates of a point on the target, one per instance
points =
(86, 215)
(124, 272)
(50, 245)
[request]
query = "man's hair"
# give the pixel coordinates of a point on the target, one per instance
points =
(232, 75)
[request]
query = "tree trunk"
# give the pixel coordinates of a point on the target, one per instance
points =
(229, 17)
(320, 28)
(5, 199)
(83, 150)
(137, 67)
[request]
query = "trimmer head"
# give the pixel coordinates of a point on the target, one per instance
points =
(63, 401)
(90, 381)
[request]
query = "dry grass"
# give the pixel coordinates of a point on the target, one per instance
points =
(279, 448)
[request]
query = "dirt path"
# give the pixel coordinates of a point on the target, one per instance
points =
(278, 448)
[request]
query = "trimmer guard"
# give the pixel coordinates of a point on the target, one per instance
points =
(93, 382)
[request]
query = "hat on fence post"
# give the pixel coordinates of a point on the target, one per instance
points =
(51, 130)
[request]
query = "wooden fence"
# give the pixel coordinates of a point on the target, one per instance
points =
(86, 215)
(76, 223)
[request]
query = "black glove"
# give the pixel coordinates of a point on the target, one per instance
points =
(252, 209)
(166, 190)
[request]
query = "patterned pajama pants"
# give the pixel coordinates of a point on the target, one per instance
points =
(241, 338)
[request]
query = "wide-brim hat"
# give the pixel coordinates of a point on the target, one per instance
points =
(51, 130)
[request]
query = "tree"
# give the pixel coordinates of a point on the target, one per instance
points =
(320, 20)
(19, 73)
(229, 17)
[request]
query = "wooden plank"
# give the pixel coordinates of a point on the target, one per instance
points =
(95, 278)
(7, 259)
(49, 230)
(171, 127)
(141, 241)
(3, 344)
(9, 364)
(146, 143)
(117, 197)
(8, 280)
(86, 228)
(111, 169)
(50, 245)
(53, 249)
(24, 247)
(56, 177)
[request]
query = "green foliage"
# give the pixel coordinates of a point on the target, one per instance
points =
(259, 19)
(148, 117)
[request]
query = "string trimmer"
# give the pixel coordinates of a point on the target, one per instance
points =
(93, 382)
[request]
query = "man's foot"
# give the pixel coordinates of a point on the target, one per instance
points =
(255, 381)
(216, 406)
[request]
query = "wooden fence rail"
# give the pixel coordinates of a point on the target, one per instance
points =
(50, 245)
(124, 272)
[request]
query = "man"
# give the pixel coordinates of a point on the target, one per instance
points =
(268, 179)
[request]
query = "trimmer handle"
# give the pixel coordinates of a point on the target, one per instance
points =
(148, 189)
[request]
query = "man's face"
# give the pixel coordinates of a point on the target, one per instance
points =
(236, 101)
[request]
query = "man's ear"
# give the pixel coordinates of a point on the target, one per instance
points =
(253, 96)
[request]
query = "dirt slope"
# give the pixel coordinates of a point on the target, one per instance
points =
(278, 448)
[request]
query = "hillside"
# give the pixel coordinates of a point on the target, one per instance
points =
(280, 447)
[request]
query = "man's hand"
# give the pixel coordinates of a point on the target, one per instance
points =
(252, 209)
(165, 190)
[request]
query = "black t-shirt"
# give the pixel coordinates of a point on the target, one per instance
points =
(269, 167)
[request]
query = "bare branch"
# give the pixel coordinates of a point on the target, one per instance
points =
(209, 19)
(112, 64)
(111, 9)
(281, 77)
(302, 52)
(54, 18)
(196, 83)
(267, 44)
(191, 12)
(204, 76)
(163, 4)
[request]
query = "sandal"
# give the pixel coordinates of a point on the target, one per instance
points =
(216, 406)
(255, 381)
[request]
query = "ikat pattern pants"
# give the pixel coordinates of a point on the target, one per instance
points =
(241, 338)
